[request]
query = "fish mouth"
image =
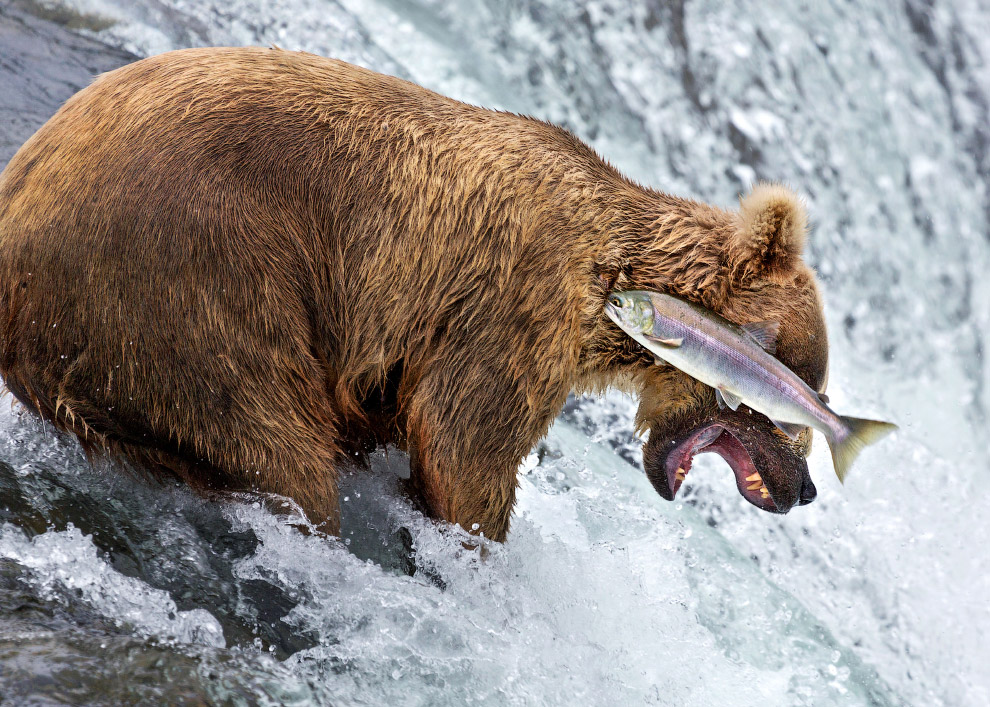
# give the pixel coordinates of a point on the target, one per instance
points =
(718, 439)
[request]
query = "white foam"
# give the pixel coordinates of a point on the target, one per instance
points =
(68, 560)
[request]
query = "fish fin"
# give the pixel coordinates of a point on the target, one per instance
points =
(719, 400)
(726, 399)
(789, 429)
(823, 398)
(659, 361)
(763, 333)
(666, 343)
(860, 433)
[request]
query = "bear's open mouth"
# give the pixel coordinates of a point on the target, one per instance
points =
(716, 438)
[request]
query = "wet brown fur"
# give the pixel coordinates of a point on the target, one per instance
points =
(247, 266)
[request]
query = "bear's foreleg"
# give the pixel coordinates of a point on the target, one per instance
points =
(468, 431)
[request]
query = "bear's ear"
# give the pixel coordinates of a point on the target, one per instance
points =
(769, 232)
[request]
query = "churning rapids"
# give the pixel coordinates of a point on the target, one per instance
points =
(113, 590)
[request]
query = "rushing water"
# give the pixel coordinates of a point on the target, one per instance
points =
(113, 590)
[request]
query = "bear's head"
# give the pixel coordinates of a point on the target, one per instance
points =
(747, 267)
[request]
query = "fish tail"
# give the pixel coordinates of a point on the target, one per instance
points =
(858, 433)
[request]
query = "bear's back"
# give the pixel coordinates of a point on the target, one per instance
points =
(198, 122)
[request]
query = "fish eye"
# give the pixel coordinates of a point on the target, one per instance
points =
(615, 301)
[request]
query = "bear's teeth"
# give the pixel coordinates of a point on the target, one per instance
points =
(754, 477)
(763, 492)
(755, 485)
(680, 474)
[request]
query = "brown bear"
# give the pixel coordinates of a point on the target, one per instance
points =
(249, 267)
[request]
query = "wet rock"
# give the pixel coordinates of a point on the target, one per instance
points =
(42, 63)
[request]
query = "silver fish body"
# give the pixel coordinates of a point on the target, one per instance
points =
(737, 362)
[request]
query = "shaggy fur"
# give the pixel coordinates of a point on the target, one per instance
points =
(248, 266)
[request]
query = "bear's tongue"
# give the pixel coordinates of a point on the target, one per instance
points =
(715, 438)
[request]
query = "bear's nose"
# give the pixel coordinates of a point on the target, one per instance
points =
(808, 492)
